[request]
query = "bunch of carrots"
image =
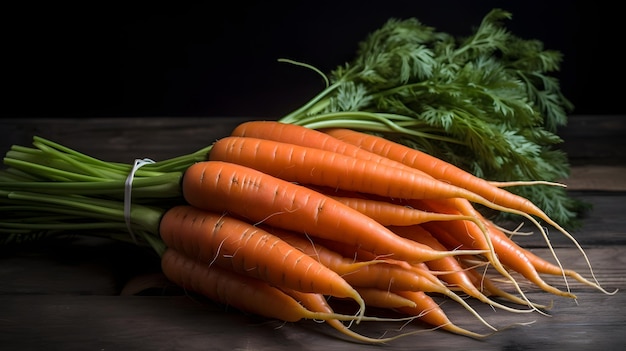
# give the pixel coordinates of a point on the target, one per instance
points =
(285, 222)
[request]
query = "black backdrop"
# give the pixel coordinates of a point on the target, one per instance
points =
(220, 58)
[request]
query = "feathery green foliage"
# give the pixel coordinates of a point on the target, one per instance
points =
(486, 103)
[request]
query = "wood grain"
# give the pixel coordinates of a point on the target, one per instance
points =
(95, 294)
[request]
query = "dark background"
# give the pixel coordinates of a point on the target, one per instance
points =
(220, 58)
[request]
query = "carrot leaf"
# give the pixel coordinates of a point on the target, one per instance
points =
(487, 103)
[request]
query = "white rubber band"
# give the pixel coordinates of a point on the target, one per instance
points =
(128, 185)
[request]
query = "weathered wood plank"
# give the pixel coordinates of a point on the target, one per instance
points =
(81, 271)
(121, 139)
(182, 323)
(80, 266)
(603, 224)
(597, 177)
(594, 139)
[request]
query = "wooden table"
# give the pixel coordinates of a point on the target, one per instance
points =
(93, 294)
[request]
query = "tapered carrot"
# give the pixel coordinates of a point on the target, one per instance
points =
(320, 167)
(438, 169)
(347, 260)
(458, 275)
(303, 136)
(307, 165)
(428, 311)
(471, 233)
(383, 298)
(317, 303)
(484, 283)
(509, 254)
(390, 214)
(447, 172)
(383, 276)
(399, 279)
(523, 261)
(466, 234)
(359, 254)
(479, 281)
(262, 198)
(363, 273)
(325, 256)
(232, 289)
(528, 264)
(246, 249)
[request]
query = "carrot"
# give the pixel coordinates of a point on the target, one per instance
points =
(399, 279)
(320, 167)
(428, 311)
(358, 254)
(246, 249)
(477, 280)
(457, 275)
(483, 283)
(526, 263)
(390, 214)
(325, 251)
(244, 293)
(447, 172)
(464, 234)
(232, 289)
(383, 298)
(438, 169)
(325, 256)
(510, 255)
(382, 276)
(329, 169)
(303, 136)
(529, 264)
(317, 303)
(262, 198)
(306, 137)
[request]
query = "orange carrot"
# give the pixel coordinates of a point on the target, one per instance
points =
(358, 254)
(484, 283)
(307, 165)
(383, 298)
(438, 169)
(529, 264)
(428, 311)
(261, 198)
(306, 137)
(320, 253)
(333, 255)
(458, 275)
(477, 280)
(383, 276)
(317, 303)
(447, 172)
(390, 214)
(465, 234)
(519, 259)
(303, 136)
(515, 257)
(246, 249)
(232, 289)
(509, 254)
(324, 140)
